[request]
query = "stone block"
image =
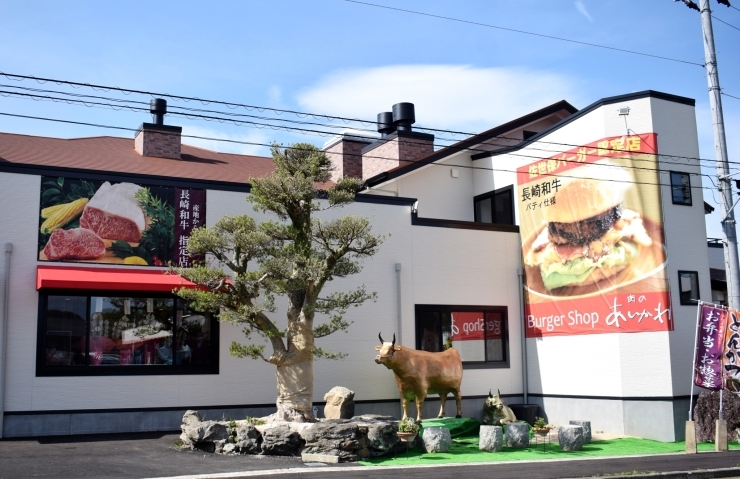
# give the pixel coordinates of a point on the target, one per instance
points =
(690, 437)
(517, 434)
(586, 425)
(720, 436)
(437, 439)
(491, 438)
(570, 438)
(326, 458)
(340, 403)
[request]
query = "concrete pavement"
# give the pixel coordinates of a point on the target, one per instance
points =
(153, 455)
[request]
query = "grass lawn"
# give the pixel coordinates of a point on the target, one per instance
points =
(465, 449)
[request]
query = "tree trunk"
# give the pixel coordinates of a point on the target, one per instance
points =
(295, 374)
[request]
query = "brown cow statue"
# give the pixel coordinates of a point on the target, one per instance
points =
(419, 373)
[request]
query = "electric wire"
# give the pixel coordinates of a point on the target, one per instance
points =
(292, 129)
(728, 24)
(498, 27)
(98, 125)
(731, 96)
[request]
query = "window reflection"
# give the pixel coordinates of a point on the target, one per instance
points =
(194, 336)
(66, 331)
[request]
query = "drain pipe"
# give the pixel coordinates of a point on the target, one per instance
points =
(525, 379)
(398, 295)
(4, 334)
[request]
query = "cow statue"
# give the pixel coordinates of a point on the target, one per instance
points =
(495, 412)
(420, 373)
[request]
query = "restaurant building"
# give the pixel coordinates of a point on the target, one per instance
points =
(561, 253)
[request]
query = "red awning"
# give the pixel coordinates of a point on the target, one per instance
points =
(108, 279)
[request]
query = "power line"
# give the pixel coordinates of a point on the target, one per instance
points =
(287, 128)
(523, 32)
(98, 125)
(729, 25)
(731, 96)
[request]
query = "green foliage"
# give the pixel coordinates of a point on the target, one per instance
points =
(255, 421)
(294, 256)
(159, 237)
(408, 425)
(59, 191)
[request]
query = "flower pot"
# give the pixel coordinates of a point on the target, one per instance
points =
(407, 436)
(541, 432)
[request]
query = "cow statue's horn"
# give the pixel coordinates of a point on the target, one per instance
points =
(394, 340)
(498, 391)
(381, 338)
(489, 394)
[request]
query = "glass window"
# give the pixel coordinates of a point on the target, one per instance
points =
(125, 333)
(66, 331)
(495, 207)
(688, 285)
(478, 334)
(681, 188)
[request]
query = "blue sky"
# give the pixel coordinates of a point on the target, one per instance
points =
(340, 58)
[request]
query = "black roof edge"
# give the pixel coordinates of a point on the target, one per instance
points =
(473, 140)
(604, 101)
(384, 200)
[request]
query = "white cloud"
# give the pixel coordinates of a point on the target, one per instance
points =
(582, 9)
(459, 97)
(275, 94)
(225, 146)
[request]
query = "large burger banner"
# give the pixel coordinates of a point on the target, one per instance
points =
(120, 223)
(592, 240)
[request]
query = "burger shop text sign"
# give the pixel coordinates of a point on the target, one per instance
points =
(476, 326)
(592, 240)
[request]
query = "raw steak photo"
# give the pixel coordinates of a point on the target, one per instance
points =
(78, 243)
(113, 213)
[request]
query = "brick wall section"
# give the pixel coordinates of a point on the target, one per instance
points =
(158, 141)
(396, 151)
(346, 157)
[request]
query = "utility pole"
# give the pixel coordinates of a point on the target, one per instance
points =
(732, 267)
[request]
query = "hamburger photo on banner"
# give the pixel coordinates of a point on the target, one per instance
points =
(590, 235)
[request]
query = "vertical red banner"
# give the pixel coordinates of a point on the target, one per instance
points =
(190, 213)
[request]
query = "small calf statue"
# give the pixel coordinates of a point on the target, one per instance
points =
(495, 412)
(419, 373)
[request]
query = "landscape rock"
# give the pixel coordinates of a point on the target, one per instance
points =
(437, 439)
(281, 441)
(229, 448)
(340, 403)
(570, 438)
(586, 425)
(706, 412)
(191, 418)
(517, 434)
(491, 438)
(341, 439)
(380, 432)
(248, 439)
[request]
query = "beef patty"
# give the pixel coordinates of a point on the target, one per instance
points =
(584, 231)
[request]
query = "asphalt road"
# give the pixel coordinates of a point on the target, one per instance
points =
(139, 456)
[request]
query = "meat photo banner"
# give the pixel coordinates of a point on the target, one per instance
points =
(710, 346)
(592, 240)
(95, 221)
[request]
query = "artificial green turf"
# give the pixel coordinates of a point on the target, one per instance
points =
(466, 450)
(463, 426)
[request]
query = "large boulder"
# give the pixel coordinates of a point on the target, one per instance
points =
(517, 434)
(586, 425)
(491, 438)
(248, 439)
(571, 438)
(437, 439)
(340, 403)
(341, 439)
(281, 441)
(706, 412)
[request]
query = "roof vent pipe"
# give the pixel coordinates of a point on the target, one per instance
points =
(158, 109)
(385, 124)
(403, 116)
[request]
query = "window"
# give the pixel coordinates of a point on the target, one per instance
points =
(681, 188)
(480, 334)
(495, 207)
(123, 334)
(688, 286)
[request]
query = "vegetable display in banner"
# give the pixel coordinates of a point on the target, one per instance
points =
(592, 240)
(710, 346)
(120, 223)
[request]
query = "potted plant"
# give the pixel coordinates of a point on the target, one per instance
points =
(407, 429)
(540, 427)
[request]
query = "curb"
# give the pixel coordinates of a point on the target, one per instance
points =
(696, 474)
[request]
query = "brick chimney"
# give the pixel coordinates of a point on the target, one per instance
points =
(158, 139)
(399, 144)
(345, 153)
